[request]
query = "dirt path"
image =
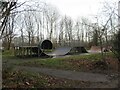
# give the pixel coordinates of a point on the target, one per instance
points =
(97, 80)
(73, 75)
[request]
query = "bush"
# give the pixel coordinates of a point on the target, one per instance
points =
(116, 45)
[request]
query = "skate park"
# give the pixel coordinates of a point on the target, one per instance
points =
(46, 49)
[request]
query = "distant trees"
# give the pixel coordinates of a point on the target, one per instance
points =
(68, 29)
(51, 16)
(29, 24)
(43, 21)
(61, 32)
(65, 31)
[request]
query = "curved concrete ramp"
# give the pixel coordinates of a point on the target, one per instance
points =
(60, 51)
(67, 50)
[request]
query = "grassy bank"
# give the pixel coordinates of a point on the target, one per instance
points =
(74, 62)
(87, 62)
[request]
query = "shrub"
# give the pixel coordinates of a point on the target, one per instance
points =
(116, 45)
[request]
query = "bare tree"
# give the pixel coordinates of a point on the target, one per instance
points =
(68, 28)
(9, 31)
(77, 28)
(52, 15)
(61, 27)
(6, 8)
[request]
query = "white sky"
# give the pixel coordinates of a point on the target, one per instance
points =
(77, 8)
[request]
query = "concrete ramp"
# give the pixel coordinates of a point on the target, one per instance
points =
(60, 51)
(67, 50)
(97, 49)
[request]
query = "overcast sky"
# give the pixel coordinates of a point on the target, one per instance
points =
(77, 8)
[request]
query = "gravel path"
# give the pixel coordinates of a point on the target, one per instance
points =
(73, 75)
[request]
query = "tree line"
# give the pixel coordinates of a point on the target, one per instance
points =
(32, 22)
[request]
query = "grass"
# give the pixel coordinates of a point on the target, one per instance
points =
(75, 62)
(8, 54)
